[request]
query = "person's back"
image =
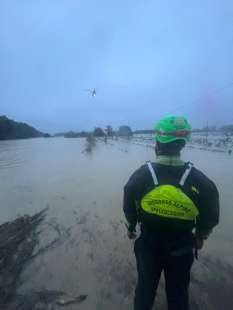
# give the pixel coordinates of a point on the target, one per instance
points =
(169, 198)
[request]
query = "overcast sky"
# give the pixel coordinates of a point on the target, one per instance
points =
(145, 58)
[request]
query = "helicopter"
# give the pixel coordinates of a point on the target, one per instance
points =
(92, 92)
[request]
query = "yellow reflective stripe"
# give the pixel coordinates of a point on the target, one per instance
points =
(169, 201)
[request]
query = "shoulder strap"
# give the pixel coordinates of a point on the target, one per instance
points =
(186, 174)
(153, 174)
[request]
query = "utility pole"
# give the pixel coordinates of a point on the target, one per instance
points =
(207, 132)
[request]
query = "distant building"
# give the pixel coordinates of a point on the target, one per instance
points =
(125, 131)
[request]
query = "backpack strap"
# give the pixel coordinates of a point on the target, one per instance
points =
(186, 174)
(153, 174)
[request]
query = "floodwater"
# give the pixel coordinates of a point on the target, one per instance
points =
(83, 193)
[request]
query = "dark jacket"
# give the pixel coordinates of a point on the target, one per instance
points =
(200, 189)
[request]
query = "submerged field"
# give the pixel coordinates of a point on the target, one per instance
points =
(82, 188)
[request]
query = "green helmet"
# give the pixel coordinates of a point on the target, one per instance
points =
(172, 128)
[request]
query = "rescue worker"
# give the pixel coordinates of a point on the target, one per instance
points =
(177, 207)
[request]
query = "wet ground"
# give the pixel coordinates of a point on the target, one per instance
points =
(83, 189)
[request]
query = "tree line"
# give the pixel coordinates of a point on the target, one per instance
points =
(9, 129)
(124, 130)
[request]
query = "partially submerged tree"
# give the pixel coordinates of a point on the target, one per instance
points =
(109, 131)
(98, 132)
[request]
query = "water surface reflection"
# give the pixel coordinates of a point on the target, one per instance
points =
(84, 196)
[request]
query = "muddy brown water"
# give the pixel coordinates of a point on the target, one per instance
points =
(83, 190)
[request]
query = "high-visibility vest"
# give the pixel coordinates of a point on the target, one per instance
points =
(169, 201)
